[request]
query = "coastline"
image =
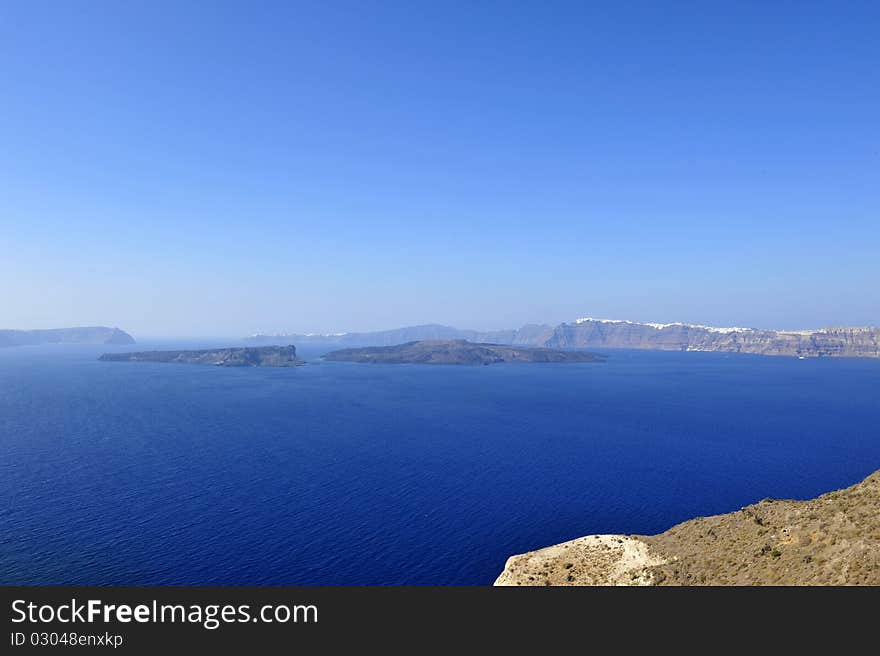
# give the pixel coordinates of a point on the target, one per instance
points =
(833, 539)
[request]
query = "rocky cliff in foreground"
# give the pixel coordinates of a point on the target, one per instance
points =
(87, 335)
(831, 540)
(266, 356)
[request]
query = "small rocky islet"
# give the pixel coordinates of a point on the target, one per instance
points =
(249, 356)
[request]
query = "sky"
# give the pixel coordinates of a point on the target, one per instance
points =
(222, 168)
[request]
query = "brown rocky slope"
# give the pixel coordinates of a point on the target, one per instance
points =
(831, 540)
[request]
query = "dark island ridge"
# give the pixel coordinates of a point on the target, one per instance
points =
(264, 356)
(457, 351)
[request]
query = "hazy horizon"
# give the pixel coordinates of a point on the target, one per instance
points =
(230, 336)
(203, 170)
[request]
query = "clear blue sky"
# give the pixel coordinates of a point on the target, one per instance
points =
(220, 168)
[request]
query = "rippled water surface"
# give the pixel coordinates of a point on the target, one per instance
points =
(340, 473)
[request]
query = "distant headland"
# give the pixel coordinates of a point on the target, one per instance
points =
(457, 351)
(265, 356)
(86, 335)
(587, 333)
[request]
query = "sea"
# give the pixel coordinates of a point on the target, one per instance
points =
(333, 473)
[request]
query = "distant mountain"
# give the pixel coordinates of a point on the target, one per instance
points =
(826, 342)
(527, 335)
(457, 351)
(89, 335)
(263, 356)
(591, 333)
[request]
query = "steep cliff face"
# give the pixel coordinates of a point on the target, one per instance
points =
(597, 333)
(833, 539)
(848, 342)
(528, 335)
(87, 335)
(828, 342)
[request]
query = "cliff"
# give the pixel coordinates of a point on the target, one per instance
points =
(87, 335)
(827, 342)
(267, 356)
(831, 540)
(457, 352)
(607, 334)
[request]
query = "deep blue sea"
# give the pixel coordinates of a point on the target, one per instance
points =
(343, 473)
